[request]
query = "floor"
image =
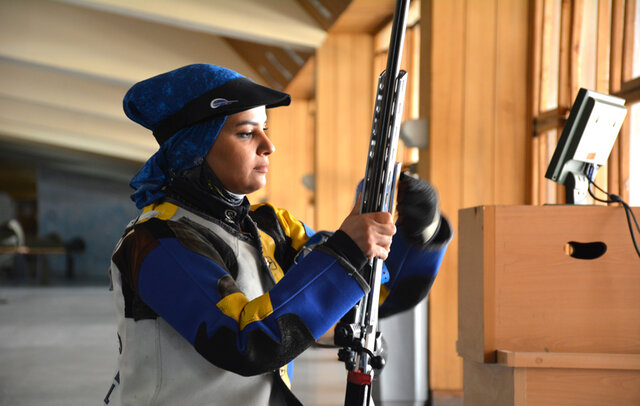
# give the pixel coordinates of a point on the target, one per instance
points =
(58, 347)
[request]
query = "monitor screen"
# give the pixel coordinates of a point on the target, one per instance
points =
(588, 135)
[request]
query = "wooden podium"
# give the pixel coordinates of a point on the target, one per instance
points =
(538, 326)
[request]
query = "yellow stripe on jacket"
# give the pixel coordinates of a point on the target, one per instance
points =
(292, 227)
(162, 211)
(269, 250)
(239, 308)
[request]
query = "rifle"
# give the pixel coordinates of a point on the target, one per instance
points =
(357, 333)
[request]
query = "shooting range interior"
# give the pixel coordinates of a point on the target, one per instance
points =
(536, 300)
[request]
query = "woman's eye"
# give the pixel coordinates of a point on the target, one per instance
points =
(245, 134)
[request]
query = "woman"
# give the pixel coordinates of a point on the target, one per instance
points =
(217, 297)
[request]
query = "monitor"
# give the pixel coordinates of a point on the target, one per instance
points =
(586, 142)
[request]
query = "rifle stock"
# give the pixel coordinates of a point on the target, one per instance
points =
(358, 331)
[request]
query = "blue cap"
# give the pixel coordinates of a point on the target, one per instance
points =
(174, 100)
(186, 108)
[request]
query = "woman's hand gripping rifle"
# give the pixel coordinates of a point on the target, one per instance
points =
(357, 333)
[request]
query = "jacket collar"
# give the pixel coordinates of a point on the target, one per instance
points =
(199, 188)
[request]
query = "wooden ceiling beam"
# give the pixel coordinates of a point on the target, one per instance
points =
(325, 12)
(278, 66)
(103, 46)
(272, 22)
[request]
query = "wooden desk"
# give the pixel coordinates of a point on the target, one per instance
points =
(522, 295)
(24, 250)
(41, 273)
(553, 379)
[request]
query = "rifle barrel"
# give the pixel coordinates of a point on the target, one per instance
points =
(359, 328)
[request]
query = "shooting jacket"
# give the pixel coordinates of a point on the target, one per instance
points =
(215, 301)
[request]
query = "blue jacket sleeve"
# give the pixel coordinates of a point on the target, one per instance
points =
(412, 270)
(193, 292)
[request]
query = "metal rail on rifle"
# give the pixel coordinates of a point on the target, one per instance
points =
(357, 333)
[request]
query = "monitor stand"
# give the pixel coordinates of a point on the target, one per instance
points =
(576, 188)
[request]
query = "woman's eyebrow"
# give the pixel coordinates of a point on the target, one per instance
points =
(247, 122)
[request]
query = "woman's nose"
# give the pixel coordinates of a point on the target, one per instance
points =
(266, 146)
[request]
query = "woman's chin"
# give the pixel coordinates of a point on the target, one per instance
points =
(254, 187)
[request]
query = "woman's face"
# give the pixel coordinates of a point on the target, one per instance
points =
(240, 155)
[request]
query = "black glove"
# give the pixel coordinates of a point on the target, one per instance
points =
(418, 214)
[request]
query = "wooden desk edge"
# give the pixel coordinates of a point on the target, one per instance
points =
(568, 360)
(32, 250)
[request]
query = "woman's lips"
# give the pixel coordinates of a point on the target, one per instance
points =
(262, 168)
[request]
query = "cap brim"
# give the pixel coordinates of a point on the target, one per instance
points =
(232, 97)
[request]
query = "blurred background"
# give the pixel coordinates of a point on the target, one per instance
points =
(490, 85)
(67, 151)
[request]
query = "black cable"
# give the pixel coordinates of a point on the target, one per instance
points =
(613, 198)
(628, 210)
(598, 199)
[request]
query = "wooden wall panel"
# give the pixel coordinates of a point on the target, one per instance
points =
(292, 131)
(624, 138)
(441, 101)
(479, 103)
(615, 182)
(344, 104)
(474, 92)
(511, 98)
